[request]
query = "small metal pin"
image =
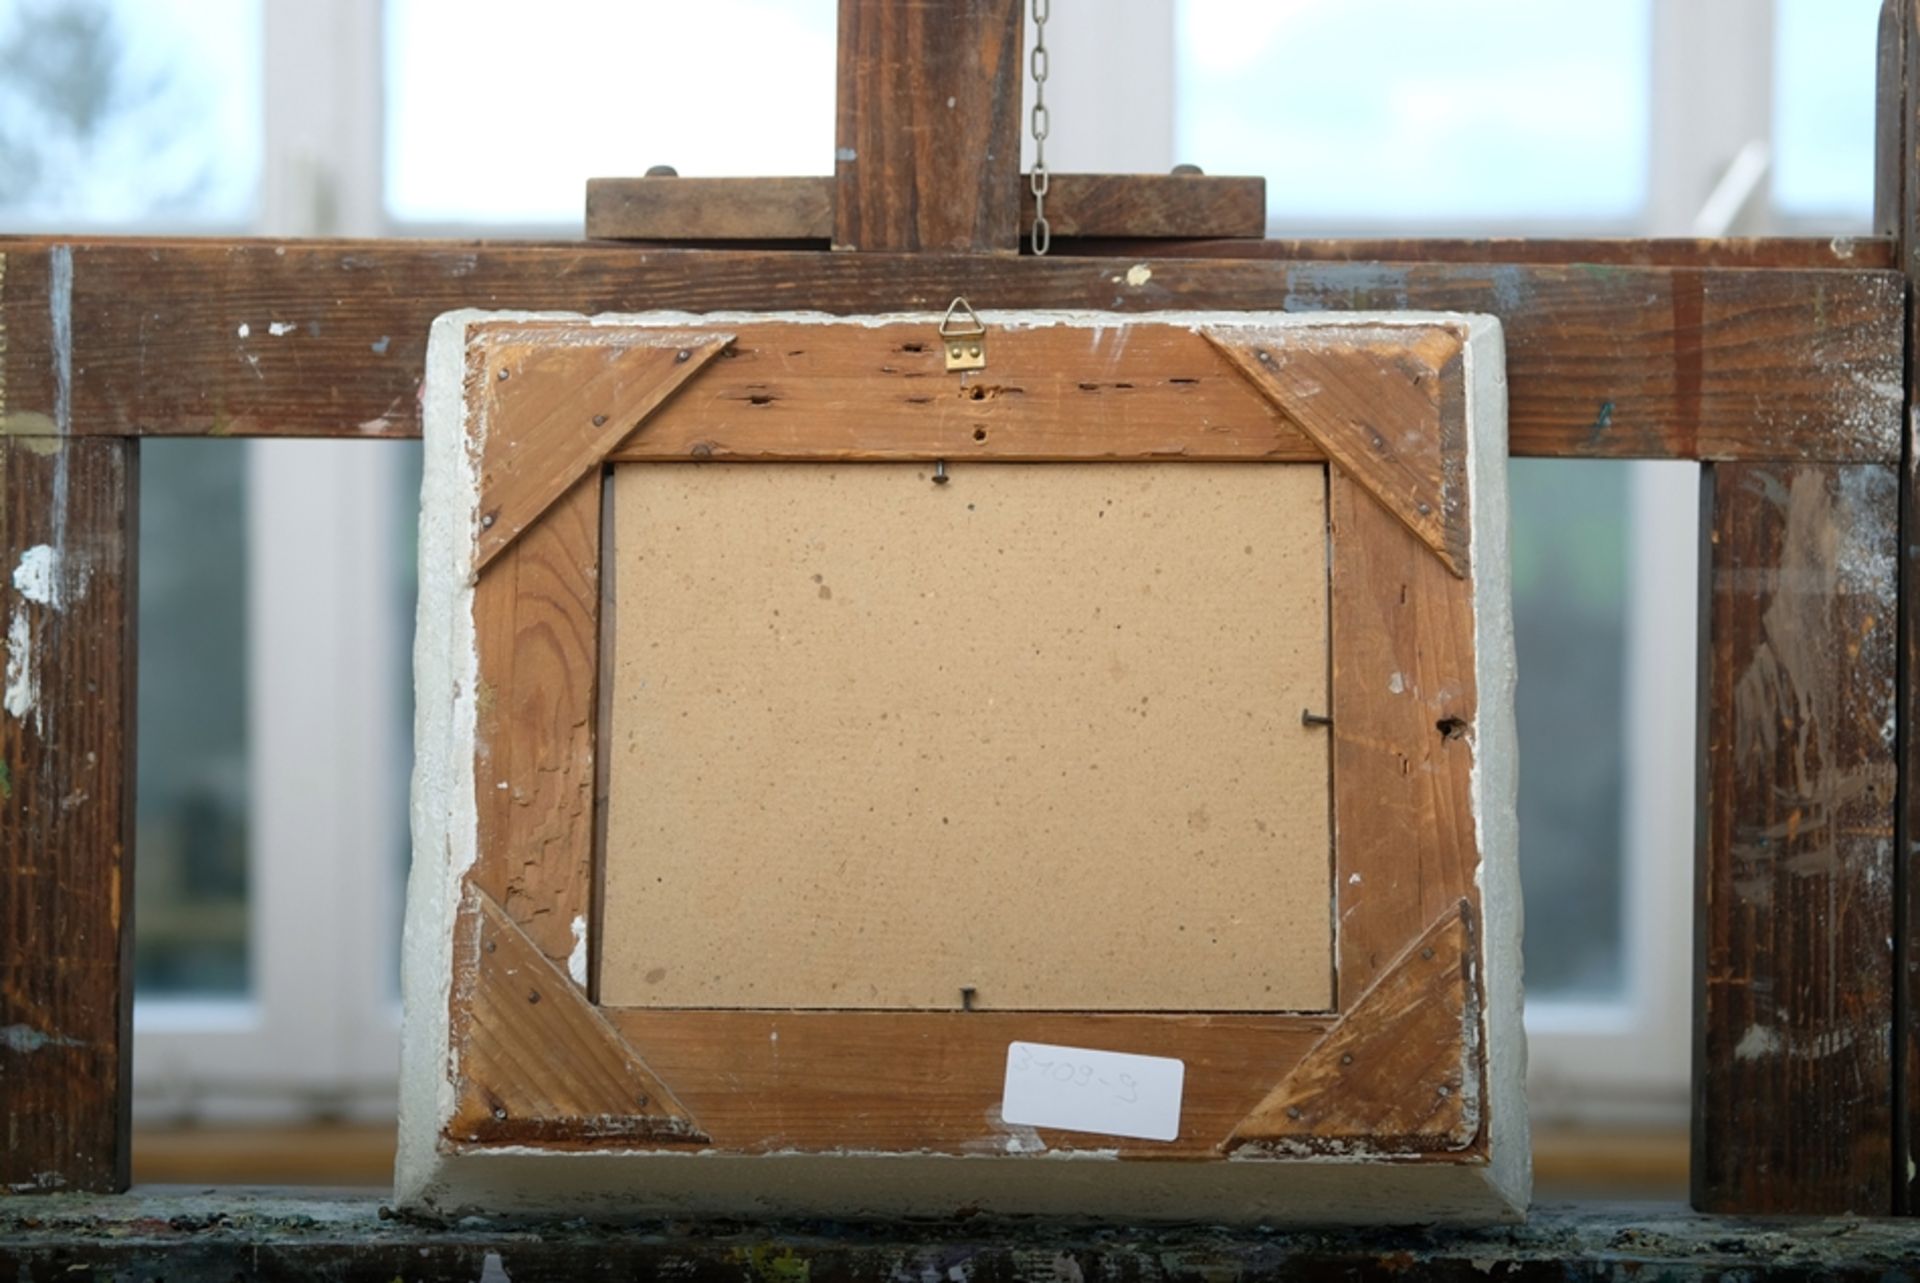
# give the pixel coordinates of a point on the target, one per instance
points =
(966, 997)
(939, 472)
(1310, 718)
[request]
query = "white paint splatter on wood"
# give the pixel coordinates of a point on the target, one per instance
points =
(1758, 1041)
(577, 960)
(22, 694)
(25, 1039)
(37, 577)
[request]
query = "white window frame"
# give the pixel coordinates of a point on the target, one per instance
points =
(318, 1032)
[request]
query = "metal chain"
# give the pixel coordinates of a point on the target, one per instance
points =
(1042, 124)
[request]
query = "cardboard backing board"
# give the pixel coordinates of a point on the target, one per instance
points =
(874, 740)
(613, 510)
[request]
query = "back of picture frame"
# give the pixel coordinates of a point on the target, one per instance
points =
(1076, 782)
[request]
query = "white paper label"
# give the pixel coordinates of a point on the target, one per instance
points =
(1080, 1090)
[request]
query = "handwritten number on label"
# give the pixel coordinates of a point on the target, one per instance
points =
(1069, 1074)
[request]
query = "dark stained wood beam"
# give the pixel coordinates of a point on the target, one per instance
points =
(1145, 207)
(68, 519)
(670, 208)
(1603, 361)
(927, 140)
(1840, 253)
(1792, 1071)
(1897, 213)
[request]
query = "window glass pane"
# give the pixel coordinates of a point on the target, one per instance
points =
(495, 117)
(1823, 110)
(1361, 111)
(129, 112)
(1570, 618)
(190, 882)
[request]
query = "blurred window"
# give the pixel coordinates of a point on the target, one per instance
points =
(1570, 574)
(117, 112)
(625, 87)
(1378, 113)
(192, 803)
(1823, 66)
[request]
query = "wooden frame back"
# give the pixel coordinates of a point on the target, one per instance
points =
(1400, 1069)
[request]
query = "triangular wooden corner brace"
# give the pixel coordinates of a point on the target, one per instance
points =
(526, 466)
(1399, 1073)
(1376, 400)
(533, 1060)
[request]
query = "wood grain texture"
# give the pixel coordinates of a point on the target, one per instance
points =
(1603, 362)
(766, 1081)
(68, 514)
(536, 613)
(534, 1060)
(1142, 206)
(1153, 207)
(710, 209)
(760, 1081)
(584, 399)
(1891, 160)
(1405, 701)
(1897, 210)
(1056, 392)
(927, 131)
(1401, 1071)
(1793, 1082)
(1877, 253)
(1373, 401)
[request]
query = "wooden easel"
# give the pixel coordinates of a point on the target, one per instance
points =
(1781, 365)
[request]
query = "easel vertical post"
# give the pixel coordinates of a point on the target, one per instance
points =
(1793, 1074)
(68, 521)
(927, 140)
(1896, 213)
